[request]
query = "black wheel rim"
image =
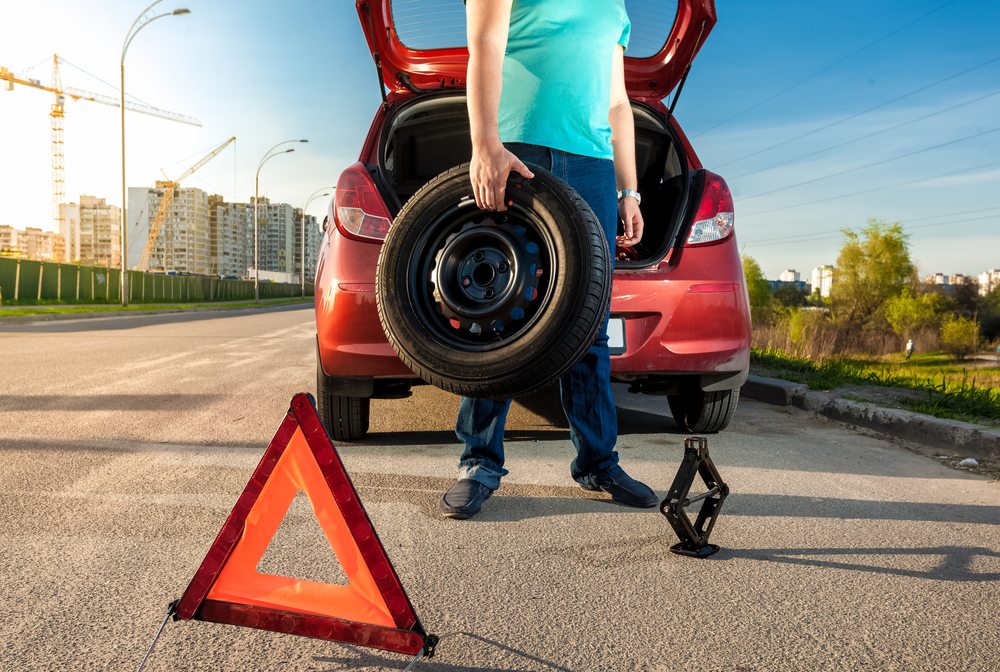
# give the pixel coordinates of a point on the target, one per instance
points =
(480, 280)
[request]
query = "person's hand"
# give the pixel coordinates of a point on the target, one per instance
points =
(628, 211)
(488, 173)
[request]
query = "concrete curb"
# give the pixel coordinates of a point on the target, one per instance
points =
(968, 439)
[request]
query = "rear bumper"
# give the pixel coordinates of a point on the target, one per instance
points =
(678, 322)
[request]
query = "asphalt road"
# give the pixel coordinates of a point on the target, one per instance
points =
(126, 440)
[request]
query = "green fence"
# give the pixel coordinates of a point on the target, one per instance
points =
(25, 281)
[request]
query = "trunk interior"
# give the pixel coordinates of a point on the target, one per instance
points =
(430, 134)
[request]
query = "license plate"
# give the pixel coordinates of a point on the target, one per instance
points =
(616, 336)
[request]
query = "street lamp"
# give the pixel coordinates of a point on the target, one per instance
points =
(256, 198)
(141, 22)
(316, 194)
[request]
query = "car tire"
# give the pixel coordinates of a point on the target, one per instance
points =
(345, 418)
(701, 412)
(493, 304)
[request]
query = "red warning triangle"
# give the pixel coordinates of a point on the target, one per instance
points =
(371, 610)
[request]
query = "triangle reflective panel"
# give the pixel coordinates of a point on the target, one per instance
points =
(371, 610)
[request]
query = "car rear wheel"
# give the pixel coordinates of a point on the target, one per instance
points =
(345, 418)
(493, 304)
(701, 412)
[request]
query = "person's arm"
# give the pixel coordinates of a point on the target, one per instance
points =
(487, 23)
(623, 145)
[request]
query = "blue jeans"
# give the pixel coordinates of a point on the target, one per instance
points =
(585, 390)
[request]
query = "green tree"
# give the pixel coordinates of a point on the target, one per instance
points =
(989, 316)
(910, 313)
(759, 291)
(791, 295)
(873, 267)
(960, 337)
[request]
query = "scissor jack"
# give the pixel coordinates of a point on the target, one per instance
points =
(694, 538)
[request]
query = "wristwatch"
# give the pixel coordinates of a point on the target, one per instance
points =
(630, 192)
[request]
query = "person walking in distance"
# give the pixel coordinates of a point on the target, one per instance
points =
(909, 348)
(546, 85)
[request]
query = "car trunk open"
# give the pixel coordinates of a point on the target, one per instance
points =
(430, 134)
(420, 46)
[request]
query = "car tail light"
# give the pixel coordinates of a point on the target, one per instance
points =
(714, 220)
(360, 212)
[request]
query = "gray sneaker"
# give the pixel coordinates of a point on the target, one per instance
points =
(464, 499)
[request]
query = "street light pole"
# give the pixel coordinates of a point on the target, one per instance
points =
(140, 22)
(270, 154)
(316, 194)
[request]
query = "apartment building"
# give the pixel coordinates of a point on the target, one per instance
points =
(988, 280)
(314, 237)
(32, 243)
(205, 234)
(183, 244)
(790, 275)
(231, 237)
(10, 242)
(277, 237)
(91, 230)
(822, 280)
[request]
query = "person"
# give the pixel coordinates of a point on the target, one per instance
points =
(909, 348)
(546, 84)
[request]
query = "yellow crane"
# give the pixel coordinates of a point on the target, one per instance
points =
(57, 112)
(169, 187)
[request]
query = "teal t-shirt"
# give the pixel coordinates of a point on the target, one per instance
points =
(557, 73)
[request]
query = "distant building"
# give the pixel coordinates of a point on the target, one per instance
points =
(231, 237)
(314, 237)
(207, 235)
(91, 231)
(936, 279)
(9, 241)
(791, 275)
(988, 280)
(822, 280)
(276, 236)
(183, 244)
(43, 245)
(31, 243)
(959, 279)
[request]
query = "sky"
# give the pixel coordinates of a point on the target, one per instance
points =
(819, 115)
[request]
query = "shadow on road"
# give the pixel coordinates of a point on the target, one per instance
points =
(957, 562)
(858, 509)
(545, 403)
(447, 438)
(364, 659)
(519, 501)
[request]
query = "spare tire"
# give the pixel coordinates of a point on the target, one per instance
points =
(493, 304)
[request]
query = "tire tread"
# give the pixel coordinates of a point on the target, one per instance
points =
(576, 337)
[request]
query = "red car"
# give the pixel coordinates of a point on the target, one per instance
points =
(680, 322)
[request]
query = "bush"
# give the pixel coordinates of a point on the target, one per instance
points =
(960, 337)
(808, 333)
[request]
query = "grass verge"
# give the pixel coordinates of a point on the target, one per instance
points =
(944, 392)
(72, 309)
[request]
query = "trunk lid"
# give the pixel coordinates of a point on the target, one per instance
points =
(420, 45)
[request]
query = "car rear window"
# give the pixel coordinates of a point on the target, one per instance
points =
(439, 24)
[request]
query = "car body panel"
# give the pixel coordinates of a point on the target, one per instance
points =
(671, 327)
(685, 316)
(651, 77)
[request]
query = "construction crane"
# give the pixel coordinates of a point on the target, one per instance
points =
(57, 112)
(169, 187)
